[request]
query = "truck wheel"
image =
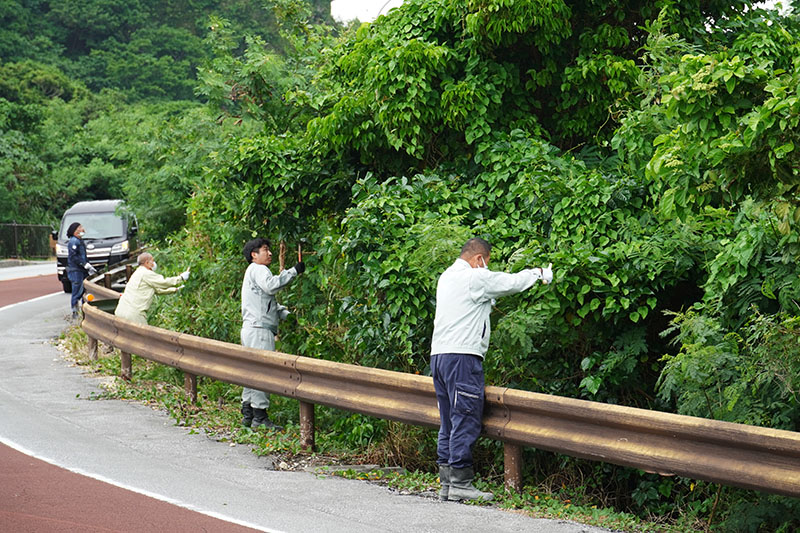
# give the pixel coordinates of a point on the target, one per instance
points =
(67, 285)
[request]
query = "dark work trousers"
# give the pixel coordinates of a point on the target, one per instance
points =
(458, 380)
(76, 280)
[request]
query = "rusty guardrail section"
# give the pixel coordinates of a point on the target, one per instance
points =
(381, 393)
(732, 454)
(118, 270)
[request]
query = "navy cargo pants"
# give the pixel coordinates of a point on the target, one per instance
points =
(76, 280)
(458, 380)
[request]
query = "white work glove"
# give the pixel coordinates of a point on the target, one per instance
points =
(90, 269)
(547, 274)
(185, 275)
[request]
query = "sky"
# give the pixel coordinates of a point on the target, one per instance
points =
(363, 10)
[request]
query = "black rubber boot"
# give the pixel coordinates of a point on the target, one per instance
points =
(461, 487)
(247, 412)
(444, 477)
(262, 421)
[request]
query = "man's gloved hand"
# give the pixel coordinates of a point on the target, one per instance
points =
(90, 269)
(185, 275)
(300, 267)
(547, 274)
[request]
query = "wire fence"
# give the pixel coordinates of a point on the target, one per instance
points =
(25, 241)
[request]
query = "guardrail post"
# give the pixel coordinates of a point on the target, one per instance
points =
(307, 426)
(91, 344)
(512, 465)
(190, 385)
(107, 280)
(126, 370)
(128, 272)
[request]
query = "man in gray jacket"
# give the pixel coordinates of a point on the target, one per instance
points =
(261, 313)
(464, 297)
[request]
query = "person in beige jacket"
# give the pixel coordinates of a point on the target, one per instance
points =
(141, 288)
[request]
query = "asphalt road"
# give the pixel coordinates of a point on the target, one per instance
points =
(73, 463)
(18, 283)
(38, 496)
(11, 269)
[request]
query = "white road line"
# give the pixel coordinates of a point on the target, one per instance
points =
(167, 499)
(31, 300)
(98, 477)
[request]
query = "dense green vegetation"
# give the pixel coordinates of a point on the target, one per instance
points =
(91, 92)
(646, 149)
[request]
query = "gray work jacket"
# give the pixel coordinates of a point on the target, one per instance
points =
(260, 309)
(464, 298)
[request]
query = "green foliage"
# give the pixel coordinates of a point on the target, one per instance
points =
(147, 48)
(502, 23)
(18, 158)
(433, 79)
(165, 152)
(251, 85)
(209, 302)
(728, 116)
(770, 513)
(25, 34)
(97, 147)
(59, 144)
(390, 243)
(33, 129)
(356, 431)
(155, 63)
(748, 376)
(535, 207)
(29, 82)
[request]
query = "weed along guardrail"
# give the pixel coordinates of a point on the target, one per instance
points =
(732, 454)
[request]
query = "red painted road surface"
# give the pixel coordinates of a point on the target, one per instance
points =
(36, 496)
(19, 290)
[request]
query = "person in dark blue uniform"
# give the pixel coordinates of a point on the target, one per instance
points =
(78, 267)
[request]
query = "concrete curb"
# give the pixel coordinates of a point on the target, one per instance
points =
(22, 262)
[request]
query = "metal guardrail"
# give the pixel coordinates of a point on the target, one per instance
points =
(109, 274)
(732, 454)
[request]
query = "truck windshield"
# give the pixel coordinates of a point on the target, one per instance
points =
(97, 225)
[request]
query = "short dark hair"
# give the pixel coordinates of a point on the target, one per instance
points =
(72, 228)
(254, 246)
(476, 245)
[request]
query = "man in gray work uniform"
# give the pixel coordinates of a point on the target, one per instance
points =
(261, 313)
(465, 295)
